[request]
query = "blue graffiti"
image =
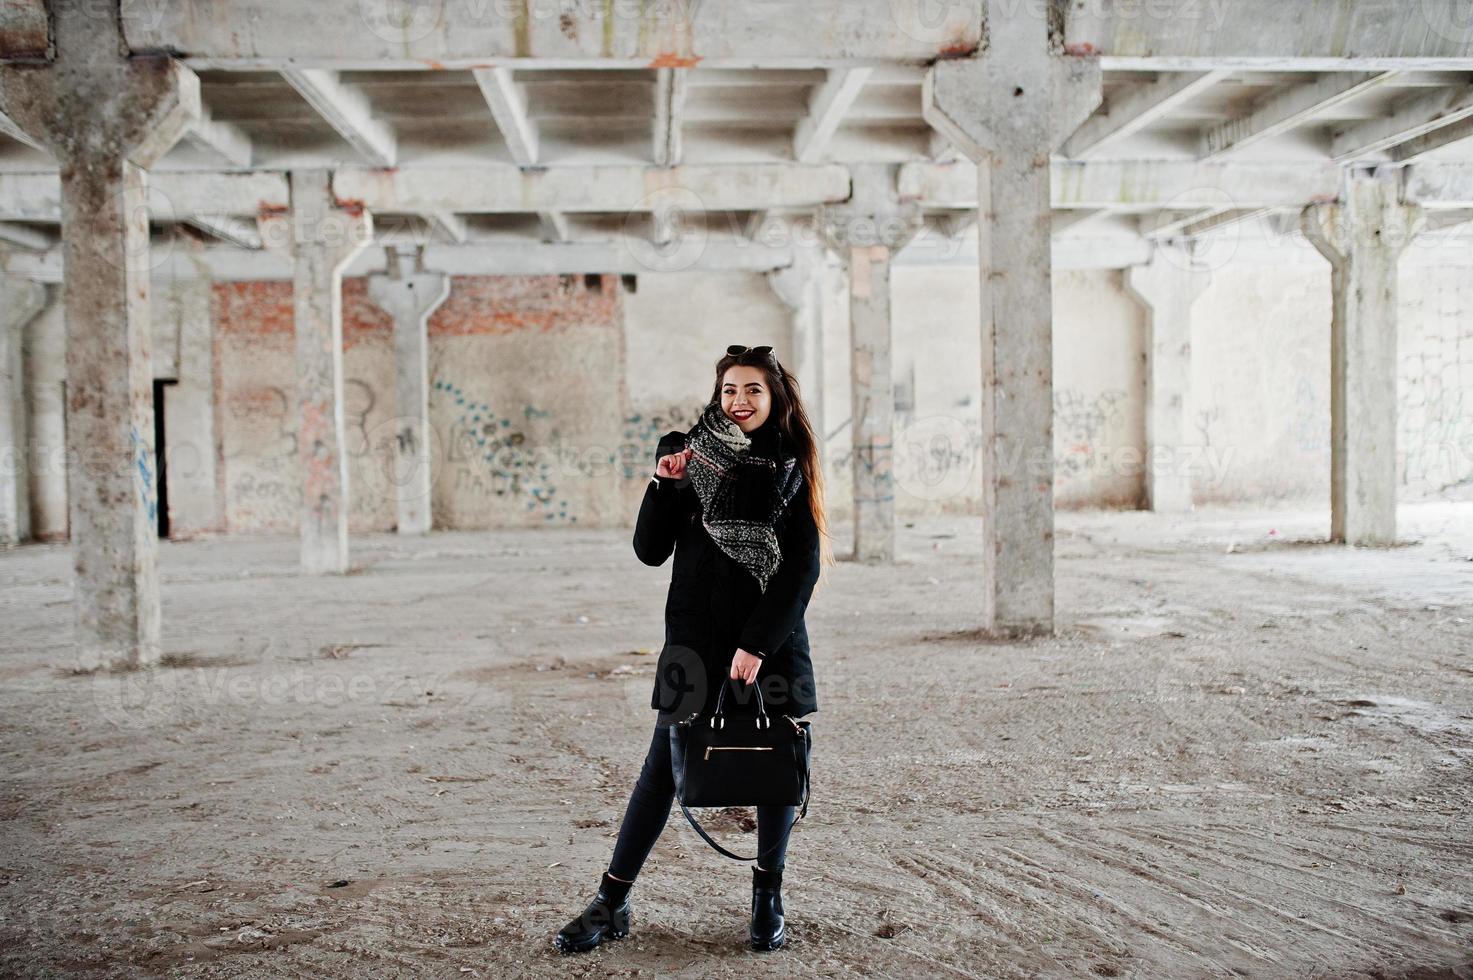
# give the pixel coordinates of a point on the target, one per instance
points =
(145, 472)
(501, 448)
(642, 434)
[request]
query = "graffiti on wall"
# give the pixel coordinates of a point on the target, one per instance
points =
(495, 457)
(142, 451)
(1435, 415)
(938, 457)
(642, 432)
(261, 455)
(1081, 422)
(1206, 421)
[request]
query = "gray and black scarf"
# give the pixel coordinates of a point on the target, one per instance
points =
(745, 484)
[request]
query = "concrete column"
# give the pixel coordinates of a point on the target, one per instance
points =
(799, 287)
(196, 501)
(106, 117)
(1008, 110)
(325, 238)
(1363, 239)
(1166, 288)
(20, 301)
(866, 232)
(409, 295)
(45, 389)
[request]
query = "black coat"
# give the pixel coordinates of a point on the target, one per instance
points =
(716, 606)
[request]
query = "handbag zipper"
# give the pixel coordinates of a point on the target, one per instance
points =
(736, 748)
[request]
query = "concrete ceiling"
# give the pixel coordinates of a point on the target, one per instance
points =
(287, 86)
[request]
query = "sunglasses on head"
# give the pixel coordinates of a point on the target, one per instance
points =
(737, 350)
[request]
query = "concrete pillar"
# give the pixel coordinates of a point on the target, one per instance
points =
(44, 372)
(866, 232)
(196, 500)
(799, 287)
(325, 238)
(106, 117)
(1363, 238)
(409, 295)
(1008, 110)
(20, 301)
(1166, 287)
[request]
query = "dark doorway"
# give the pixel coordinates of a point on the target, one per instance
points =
(160, 456)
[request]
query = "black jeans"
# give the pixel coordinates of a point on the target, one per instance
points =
(649, 806)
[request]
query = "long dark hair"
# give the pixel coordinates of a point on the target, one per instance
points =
(792, 421)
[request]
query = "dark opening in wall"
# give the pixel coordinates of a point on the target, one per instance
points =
(593, 282)
(160, 458)
(631, 282)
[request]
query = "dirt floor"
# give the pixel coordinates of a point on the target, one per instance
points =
(1246, 753)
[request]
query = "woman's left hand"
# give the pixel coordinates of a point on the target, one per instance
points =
(745, 666)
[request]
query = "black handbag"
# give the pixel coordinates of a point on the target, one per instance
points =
(740, 761)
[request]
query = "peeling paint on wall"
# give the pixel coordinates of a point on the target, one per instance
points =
(525, 404)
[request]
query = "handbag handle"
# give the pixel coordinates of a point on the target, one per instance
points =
(802, 812)
(718, 720)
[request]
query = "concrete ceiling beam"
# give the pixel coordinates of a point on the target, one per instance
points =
(671, 85)
(1411, 119)
(827, 106)
(227, 141)
(1287, 110)
(1132, 184)
(172, 196)
(508, 104)
(1127, 113)
(227, 228)
(347, 111)
(473, 259)
(612, 188)
(349, 34)
(1163, 35)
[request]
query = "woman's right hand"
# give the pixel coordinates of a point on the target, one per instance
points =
(673, 466)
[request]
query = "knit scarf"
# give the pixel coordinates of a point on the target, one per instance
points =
(745, 484)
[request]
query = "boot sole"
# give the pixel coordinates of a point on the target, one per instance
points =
(768, 947)
(587, 945)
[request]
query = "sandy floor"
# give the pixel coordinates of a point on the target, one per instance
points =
(1245, 753)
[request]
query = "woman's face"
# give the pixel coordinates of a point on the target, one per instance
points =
(744, 396)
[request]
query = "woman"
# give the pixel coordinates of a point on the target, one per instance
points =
(739, 499)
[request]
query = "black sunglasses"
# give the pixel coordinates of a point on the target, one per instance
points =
(737, 350)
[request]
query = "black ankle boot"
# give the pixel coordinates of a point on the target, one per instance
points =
(767, 930)
(606, 917)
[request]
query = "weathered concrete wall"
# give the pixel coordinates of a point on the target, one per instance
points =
(938, 430)
(1261, 381)
(526, 380)
(1261, 376)
(526, 392)
(1259, 392)
(259, 420)
(676, 327)
(45, 366)
(184, 353)
(1434, 388)
(547, 391)
(1099, 390)
(838, 446)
